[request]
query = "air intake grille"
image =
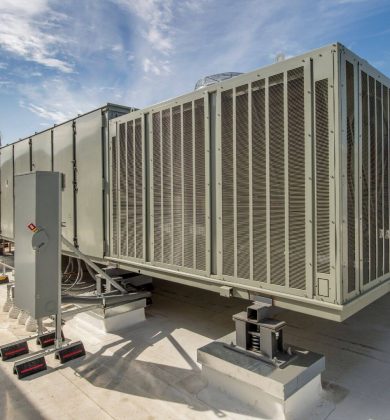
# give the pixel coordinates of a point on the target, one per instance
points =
(274, 131)
(259, 182)
(276, 179)
(114, 198)
(322, 175)
(128, 201)
(351, 174)
(296, 178)
(228, 239)
(179, 185)
(373, 207)
(365, 181)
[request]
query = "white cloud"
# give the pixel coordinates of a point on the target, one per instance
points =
(28, 29)
(156, 67)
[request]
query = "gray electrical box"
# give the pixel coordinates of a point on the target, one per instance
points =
(37, 242)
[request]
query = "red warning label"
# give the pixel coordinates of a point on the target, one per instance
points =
(32, 227)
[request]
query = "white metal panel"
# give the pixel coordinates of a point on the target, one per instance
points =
(7, 192)
(89, 163)
(41, 151)
(63, 162)
(22, 160)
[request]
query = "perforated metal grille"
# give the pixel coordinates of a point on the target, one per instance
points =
(179, 179)
(177, 186)
(386, 176)
(322, 176)
(114, 198)
(188, 185)
(276, 177)
(157, 186)
(200, 180)
(242, 182)
(379, 180)
(167, 187)
(130, 190)
(296, 178)
(350, 173)
(373, 207)
(228, 239)
(138, 177)
(365, 181)
(122, 189)
(259, 190)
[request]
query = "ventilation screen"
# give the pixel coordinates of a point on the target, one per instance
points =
(365, 181)
(242, 182)
(276, 179)
(138, 180)
(296, 178)
(130, 190)
(259, 188)
(379, 181)
(386, 177)
(188, 180)
(350, 174)
(373, 207)
(127, 169)
(157, 187)
(322, 175)
(228, 240)
(167, 185)
(122, 190)
(200, 187)
(179, 185)
(114, 199)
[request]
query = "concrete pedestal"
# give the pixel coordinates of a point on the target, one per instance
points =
(293, 392)
(112, 319)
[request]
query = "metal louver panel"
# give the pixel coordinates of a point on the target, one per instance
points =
(259, 177)
(157, 190)
(228, 240)
(177, 186)
(167, 188)
(350, 92)
(114, 198)
(242, 182)
(322, 176)
(365, 181)
(373, 207)
(122, 190)
(296, 178)
(130, 190)
(386, 176)
(276, 179)
(138, 179)
(188, 181)
(200, 188)
(379, 180)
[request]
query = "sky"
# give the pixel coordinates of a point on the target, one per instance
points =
(62, 58)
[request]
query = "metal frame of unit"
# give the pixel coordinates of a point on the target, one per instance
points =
(298, 181)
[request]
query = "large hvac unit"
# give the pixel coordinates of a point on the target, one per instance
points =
(274, 182)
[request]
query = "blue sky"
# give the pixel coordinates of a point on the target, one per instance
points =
(61, 58)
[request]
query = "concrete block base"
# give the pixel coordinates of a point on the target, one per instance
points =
(293, 392)
(112, 319)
